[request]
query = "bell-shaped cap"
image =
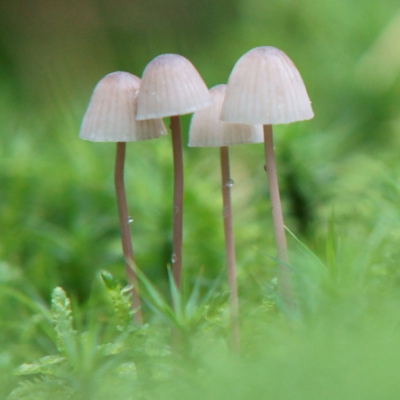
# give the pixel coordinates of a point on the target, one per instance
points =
(207, 130)
(110, 116)
(171, 86)
(265, 87)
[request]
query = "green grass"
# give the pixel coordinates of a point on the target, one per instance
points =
(342, 344)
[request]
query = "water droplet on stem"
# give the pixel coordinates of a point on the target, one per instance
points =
(230, 183)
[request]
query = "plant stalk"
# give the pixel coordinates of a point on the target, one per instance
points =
(125, 230)
(230, 248)
(178, 201)
(284, 279)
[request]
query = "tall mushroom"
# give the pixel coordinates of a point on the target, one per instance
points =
(171, 86)
(206, 130)
(110, 117)
(266, 88)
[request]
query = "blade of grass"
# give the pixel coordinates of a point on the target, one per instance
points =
(176, 298)
(152, 296)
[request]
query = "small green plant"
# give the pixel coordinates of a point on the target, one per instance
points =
(194, 315)
(85, 369)
(119, 357)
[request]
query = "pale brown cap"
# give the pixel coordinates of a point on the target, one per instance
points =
(110, 116)
(265, 87)
(171, 86)
(207, 130)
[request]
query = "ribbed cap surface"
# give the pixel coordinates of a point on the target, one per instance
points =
(207, 130)
(265, 87)
(171, 86)
(110, 116)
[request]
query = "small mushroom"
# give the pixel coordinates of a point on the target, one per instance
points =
(171, 86)
(110, 117)
(206, 130)
(266, 88)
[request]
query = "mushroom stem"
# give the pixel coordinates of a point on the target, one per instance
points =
(125, 231)
(284, 272)
(230, 247)
(178, 200)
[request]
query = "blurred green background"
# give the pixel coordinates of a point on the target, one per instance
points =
(58, 217)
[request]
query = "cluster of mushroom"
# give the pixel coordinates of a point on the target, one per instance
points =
(264, 88)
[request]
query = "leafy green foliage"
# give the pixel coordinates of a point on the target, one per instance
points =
(39, 389)
(120, 300)
(193, 315)
(62, 319)
(83, 368)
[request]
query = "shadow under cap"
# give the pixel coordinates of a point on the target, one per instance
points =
(171, 86)
(110, 116)
(265, 87)
(207, 130)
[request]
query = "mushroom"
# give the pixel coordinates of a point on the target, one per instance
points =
(206, 130)
(171, 86)
(266, 88)
(110, 117)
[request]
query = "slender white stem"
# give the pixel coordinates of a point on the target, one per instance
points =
(125, 230)
(178, 200)
(285, 282)
(230, 248)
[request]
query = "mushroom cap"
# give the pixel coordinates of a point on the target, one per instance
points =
(171, 86)
(207, 130)
(265, 87)
(110, 116)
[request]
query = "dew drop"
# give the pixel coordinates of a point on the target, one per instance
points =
(173, 258)
(130, 220)
(230, 183)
